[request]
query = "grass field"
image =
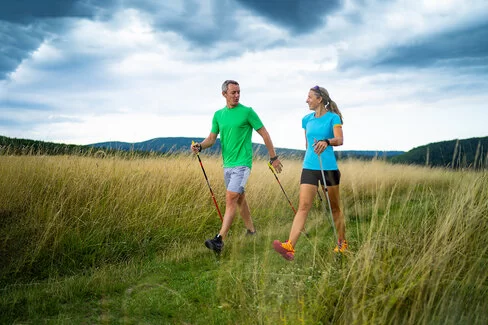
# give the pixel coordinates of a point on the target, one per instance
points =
(119, 240)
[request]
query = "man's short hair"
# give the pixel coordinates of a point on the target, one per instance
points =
(226, 84)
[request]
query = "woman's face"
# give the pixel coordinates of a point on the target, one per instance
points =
(313, 100)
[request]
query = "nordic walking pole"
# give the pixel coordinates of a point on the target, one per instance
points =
(276, 176)
(208, 183)
(326, 192)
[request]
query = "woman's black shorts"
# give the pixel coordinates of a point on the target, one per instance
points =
(313, 177)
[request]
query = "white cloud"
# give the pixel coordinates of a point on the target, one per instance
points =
(129, 79)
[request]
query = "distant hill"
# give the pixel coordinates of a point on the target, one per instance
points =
(14, 146)
(182, 144)
(158, 146)
(176, 144)
(466, 153)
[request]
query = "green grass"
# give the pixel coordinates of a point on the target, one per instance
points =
(120, 241)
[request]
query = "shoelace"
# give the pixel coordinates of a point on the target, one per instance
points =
(288, 246)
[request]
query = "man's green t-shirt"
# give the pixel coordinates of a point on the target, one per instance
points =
(235, 126)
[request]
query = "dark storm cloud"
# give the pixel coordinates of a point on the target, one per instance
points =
(16, 43)
(23, 26)
(464, 47)
(214, 29)
(298, 16)
(205, 25)
(26, 24)
(26, 11)
(199, 25)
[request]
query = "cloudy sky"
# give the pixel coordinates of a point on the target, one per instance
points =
(403, 72)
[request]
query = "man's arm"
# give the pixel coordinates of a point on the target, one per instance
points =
(207, 143)
(275, 161)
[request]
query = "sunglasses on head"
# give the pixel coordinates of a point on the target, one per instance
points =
(317, 90)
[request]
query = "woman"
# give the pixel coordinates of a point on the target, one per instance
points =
(323, 130)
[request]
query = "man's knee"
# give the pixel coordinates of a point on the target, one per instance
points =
(232, 196)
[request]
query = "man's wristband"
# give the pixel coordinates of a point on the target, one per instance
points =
(272, 159)
(326, 141)
(199, 146)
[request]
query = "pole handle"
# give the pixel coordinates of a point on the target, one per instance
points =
(192, 144)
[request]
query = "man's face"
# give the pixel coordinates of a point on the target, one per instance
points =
(232, 95)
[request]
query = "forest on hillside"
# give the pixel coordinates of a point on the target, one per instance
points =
(466, 153)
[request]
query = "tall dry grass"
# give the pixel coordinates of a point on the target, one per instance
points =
(418, 239)
(65, 213)
(418, 255)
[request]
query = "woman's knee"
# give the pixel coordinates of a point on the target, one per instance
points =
(336, 210)
(305, 206)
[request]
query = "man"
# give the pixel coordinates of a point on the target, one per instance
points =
(235, 123)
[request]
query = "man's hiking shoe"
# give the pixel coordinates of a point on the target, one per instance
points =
(216, 244)
(285, 249)
(341, 247)
(250, 233)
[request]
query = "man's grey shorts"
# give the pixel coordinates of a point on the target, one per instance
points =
(236, 178)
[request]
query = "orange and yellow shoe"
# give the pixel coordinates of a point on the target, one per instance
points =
(285, 249)
(341, 246)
